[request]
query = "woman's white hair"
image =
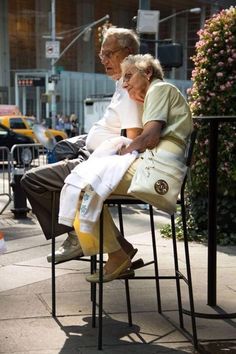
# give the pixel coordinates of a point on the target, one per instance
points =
(143, 62)
(126, 38)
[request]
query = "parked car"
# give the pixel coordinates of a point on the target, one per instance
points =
(8, 138)
(24, 125)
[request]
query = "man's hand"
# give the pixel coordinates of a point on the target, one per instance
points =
(132, 133)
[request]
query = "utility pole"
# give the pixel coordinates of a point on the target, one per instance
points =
(53, 52)
(53, 95)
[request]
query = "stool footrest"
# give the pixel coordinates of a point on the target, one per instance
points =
(139, 263)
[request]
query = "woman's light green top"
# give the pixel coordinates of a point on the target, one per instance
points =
(164, 102)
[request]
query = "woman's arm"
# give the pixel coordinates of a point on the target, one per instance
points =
(148, 139)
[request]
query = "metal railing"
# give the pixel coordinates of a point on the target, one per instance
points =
(28, 155)
(19, 159)
(5, 170)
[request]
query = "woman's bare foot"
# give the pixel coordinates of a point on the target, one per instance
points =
(115, 260)
(125, 245)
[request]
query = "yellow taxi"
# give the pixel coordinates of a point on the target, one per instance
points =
(24, 125)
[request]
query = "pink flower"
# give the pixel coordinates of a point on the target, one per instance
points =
(228, 84)
(194, 73)
(219, 74)
(200, 32)
(199, 44)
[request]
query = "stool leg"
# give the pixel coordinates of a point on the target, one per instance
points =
(53, 256)
(155, 259)
(100, 298)
(176, 263)
(129, 311)
(127, 292)
(188, 268)
(93, 289)
(121, 224)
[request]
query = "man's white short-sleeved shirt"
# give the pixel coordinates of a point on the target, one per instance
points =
(122, 113)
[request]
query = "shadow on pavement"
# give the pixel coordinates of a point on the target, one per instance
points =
(116, 334)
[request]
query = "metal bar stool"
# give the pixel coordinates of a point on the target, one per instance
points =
(119, 201)
(178, 275)
(93, 266)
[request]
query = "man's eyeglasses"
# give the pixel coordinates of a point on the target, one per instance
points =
(108, 54)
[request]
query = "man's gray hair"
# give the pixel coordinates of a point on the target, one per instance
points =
(143, 62)
(127, 38)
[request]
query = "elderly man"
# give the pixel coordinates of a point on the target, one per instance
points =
(122, 113)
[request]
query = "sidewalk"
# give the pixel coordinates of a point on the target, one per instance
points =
(25, 297)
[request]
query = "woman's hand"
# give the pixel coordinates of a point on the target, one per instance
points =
(122, 150)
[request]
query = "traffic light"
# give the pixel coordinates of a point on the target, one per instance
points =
(46, 98)
(170, 55)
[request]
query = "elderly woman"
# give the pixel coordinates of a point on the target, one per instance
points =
(166, 119)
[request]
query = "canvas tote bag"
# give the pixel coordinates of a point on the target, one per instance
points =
(159, 176)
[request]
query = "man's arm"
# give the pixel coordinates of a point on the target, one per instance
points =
(148, 139)
(132, 133)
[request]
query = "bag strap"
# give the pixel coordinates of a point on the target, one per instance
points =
(190, 147)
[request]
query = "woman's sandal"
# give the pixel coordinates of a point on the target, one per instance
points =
(94, 278)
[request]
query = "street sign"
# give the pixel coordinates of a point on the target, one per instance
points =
(54, 77)
(52, 49)
(31, 81)
(148, 21)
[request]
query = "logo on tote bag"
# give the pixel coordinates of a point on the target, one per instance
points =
(161, 187)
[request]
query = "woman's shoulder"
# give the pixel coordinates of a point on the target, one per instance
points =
(160, 86)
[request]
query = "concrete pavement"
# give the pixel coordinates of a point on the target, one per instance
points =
(25, 297)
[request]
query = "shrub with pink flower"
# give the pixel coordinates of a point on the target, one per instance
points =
(215, 66)
(214, 94)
